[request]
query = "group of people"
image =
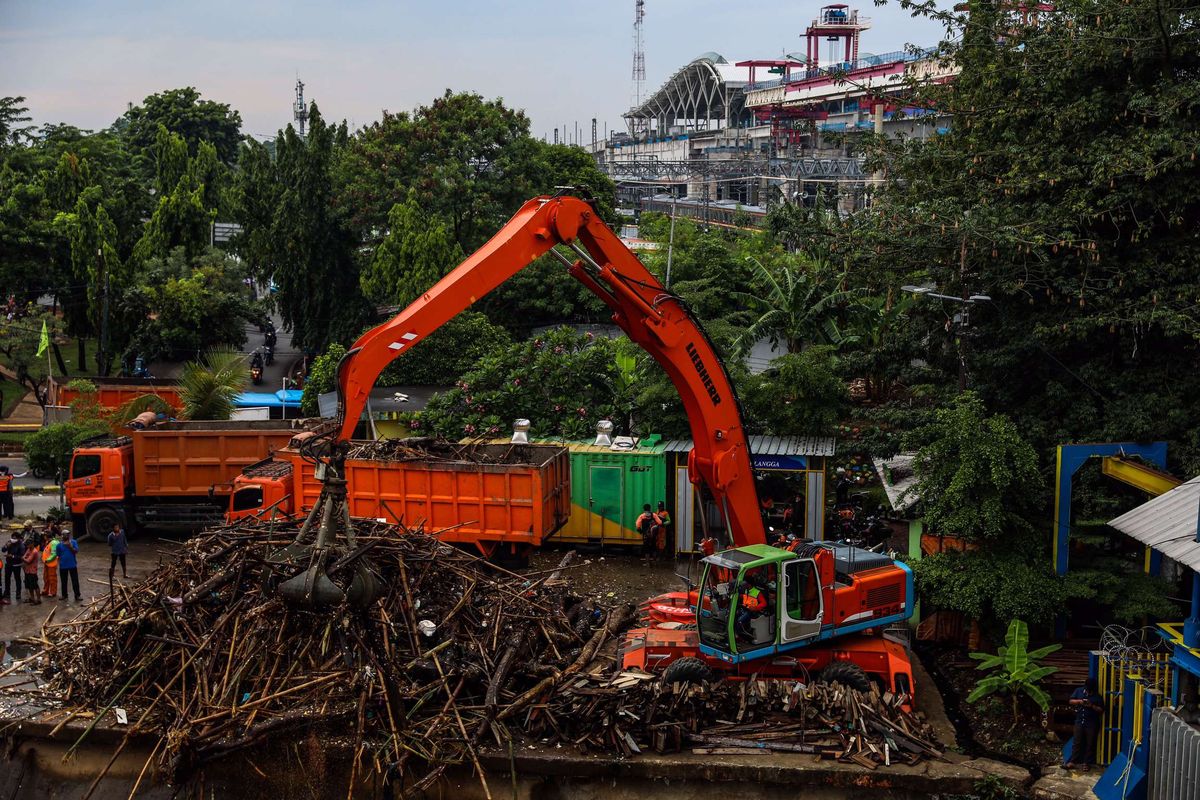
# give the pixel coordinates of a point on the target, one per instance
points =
(653, 525)
(54, 550)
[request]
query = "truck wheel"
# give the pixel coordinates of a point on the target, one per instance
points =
(687, 670)
(847, 673)
(100, 522)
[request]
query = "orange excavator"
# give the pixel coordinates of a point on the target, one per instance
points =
(758, 609)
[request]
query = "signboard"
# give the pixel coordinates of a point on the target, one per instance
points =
(781, 463)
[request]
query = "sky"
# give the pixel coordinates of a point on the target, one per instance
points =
(563, 62)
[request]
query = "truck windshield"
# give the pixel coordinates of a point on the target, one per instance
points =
(714, 605)
(85, 465)
(248, 498)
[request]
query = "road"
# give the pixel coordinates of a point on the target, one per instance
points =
(16, 466)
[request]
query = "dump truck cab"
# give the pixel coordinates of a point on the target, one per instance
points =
(757, 601)
(262, 489)
(100, 475)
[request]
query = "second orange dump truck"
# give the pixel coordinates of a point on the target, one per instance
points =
(501, 500)
(166, 475)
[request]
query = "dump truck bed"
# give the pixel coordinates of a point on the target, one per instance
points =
(189, 458)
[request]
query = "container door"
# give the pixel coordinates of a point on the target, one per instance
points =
(604, 501)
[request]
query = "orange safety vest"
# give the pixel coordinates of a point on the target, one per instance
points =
(6, 483)
(754, 600)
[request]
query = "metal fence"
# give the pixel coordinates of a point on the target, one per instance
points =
(1174, 770)
(1112, 665)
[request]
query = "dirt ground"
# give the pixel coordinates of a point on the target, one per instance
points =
(616, 577)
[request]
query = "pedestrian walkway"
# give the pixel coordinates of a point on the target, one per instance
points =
(26, 416)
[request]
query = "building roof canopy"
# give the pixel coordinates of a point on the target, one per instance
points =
(1168, 523)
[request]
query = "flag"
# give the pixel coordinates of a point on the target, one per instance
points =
(45, 343)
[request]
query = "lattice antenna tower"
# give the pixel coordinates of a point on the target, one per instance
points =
(300, 109)
(639, 57)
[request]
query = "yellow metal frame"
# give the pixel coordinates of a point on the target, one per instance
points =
(1152, 671)
(1150, 480)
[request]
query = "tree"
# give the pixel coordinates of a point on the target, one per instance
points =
(311, 248)
(208, 387)
(182, 307)
(976, 475)
(800, 394)
(20, 339)
(255, 199)
(12, 114)
(48, 451)
(416, 252)
(187, 203)
(798, 303)
(184, 113)
(561, 381)
(1016, 670)
(322, 378)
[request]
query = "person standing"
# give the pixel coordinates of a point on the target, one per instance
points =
(662, 522)
(6, 492)
(29, 564)
(645, 525)
(68, 566)
(14, 551)
(1089, 707)
(50, 561)
(119, 544)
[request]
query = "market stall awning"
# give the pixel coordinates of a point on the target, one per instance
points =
(774, 452)
(1168, 523)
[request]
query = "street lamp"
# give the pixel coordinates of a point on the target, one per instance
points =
(962, 321)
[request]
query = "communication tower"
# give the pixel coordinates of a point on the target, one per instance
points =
(299, 109)
(639, 60)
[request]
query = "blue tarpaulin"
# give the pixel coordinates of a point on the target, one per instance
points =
(284, 398)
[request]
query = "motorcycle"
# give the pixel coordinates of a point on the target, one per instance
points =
(256, 369)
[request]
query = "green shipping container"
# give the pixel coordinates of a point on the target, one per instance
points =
(608, 489)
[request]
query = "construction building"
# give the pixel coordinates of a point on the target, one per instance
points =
(723, 142)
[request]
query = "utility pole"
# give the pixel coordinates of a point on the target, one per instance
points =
(671, 240)
(103, 359)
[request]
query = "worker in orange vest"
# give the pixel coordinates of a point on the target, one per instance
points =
(50, 561)
(6, 492)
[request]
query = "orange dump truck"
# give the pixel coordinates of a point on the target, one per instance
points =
(167, 475)
(112, 393)
(502, 500)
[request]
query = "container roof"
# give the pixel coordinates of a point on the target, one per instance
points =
(773, 445)
(1168, 523)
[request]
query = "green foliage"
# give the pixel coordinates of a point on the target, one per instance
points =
(185, 114)
(48, 451)
(1015, 670)
(993, 585)
(12, 114)
(19, 341)
(801, 394)
(797, 303)
(416, 252)
(309, 247)
(208, 387)
(125, 413)
(976, 475)
(189, 305)
(561, 381)
(322, 378)
(1130, 594)
(451, 351)
(188, 198)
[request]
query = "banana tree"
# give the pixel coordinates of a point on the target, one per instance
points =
(1017, 670)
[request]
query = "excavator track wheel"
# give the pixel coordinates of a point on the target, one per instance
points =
(847, 673)
(687, 670)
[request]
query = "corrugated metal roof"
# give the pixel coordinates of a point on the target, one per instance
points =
(1168, 523)
(773, 445)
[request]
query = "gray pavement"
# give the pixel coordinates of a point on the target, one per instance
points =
(145, 554)
(17, 466)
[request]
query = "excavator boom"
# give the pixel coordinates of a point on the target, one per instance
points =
(650, 315)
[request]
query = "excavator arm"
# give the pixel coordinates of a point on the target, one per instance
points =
(652, 317)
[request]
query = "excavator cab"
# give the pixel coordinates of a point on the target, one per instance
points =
(757, 600)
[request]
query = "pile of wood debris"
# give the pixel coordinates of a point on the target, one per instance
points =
(456, 655)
